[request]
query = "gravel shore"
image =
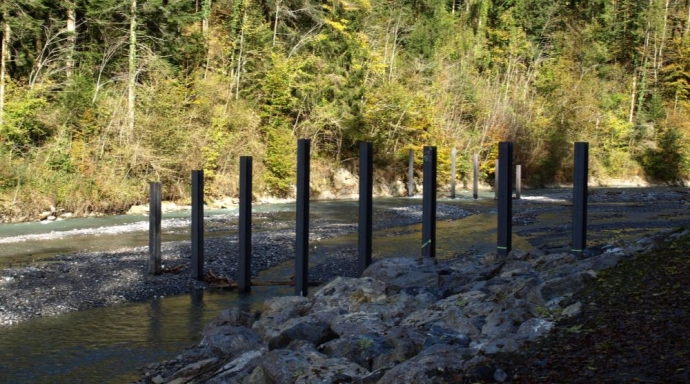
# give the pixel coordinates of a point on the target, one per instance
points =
(81, 281)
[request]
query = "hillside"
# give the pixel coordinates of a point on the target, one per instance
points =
(98, 98)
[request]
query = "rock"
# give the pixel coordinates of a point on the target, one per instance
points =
(344, 182)
(440, 335)
(358, 323)
(554, 260)
(228, 340)
(607, 260)
(572, 310)
(534, 328)
(238, 369)
(589, 275)
(138, 210)
(234, 316)
(308, 328)
(373, 377)
(349, 294)
(168, 206)
(325, 195)
(44, 215)
(158, 380)
(500, 376)
(561, 286)
(501, 345)
(515, 268)
(404, 272)
(406, 343)
(462, 312)
(439, 363)
(361, 349)
(287, 366)
(394, 308)
(194, 369)
(223, 203)
(278, 310)
(278, 367)
(517, 254)
(499, 322)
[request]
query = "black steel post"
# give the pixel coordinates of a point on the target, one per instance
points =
(580, 198)
(155, 228)
(366, 176)
(453, 155)
(410, 173)
(302, 247)
(197, 267)
(505, 198)
(429, 203)
(244, 268)
(475, 176)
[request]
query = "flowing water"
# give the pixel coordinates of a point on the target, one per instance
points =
(109, 344)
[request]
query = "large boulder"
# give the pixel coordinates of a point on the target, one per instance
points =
(237, 369)
(276, 311)
(358, 323)
(404, 272)
(437, 364)
(406, 342)
(228, 340)
(302, 365)
(394, 308)
(362, 349)
(348, 294)
(308, 328)
(313, 328)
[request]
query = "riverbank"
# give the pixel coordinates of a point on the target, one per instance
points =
(629, 328)
(86, 280)
(413, 320)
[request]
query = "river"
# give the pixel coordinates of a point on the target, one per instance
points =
(109, 344)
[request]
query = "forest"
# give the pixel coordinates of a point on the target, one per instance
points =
(99, 97)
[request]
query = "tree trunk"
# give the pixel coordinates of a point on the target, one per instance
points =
(687, 25)
(132, 68)
(239, 58)
(71, 39)
(663, 36)
(275, 24)
(632, 100)
(206, 10)
(4, 53)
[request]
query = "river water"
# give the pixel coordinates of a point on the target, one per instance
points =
(109, 344)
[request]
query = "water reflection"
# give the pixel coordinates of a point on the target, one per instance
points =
(108, 344)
